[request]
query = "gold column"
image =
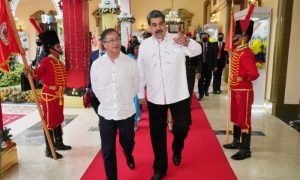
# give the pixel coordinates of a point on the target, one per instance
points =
(109, 20)
(282, 42)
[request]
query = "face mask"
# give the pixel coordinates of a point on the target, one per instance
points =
(205, 39)
(220, 39)
(39, 43)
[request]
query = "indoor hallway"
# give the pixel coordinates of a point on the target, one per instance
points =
(275, 145)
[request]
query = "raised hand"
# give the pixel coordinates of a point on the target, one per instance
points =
(180, 38)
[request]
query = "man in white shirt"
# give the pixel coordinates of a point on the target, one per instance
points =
(115, 82)
(162, 70)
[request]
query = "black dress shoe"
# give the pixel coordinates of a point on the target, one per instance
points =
(157, 177)
(130, 161)
(206, 93)
(176, 159)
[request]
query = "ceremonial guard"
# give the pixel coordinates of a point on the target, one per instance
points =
(52, 73)
(243, 72)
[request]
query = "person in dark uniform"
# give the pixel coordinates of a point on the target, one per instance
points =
(222, 58)
(193, 67)
(208, 62)
(40, 54)
(94, 55)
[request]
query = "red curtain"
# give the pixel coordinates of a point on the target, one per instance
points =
(77, 42)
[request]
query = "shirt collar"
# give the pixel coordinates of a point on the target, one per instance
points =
(161, 40)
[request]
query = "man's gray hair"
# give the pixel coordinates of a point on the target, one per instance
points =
(155, 14)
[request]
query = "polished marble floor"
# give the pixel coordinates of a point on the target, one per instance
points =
(275, 147)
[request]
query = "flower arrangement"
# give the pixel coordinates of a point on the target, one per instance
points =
(16, 95)
(259, 48)
(126, 19)
(110, 10)
(13, 77)
(75, 91)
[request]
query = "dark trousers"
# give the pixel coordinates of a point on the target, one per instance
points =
(108, 131)
(204, 81)
(217, 79)
(94, 102)
(158, 121)
(191, 82)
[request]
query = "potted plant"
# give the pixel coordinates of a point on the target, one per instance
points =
(9, 155)
(7, 142)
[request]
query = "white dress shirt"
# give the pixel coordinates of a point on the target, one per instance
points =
(115, 84)
(162, 69)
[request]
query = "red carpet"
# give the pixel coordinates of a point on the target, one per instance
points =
(202, 157)
(9, 118)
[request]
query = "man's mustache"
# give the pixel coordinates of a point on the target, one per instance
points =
(159, 31)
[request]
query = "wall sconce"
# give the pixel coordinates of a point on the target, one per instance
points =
(214, 18)
(142, 27)
(256, 2)
(19, 29)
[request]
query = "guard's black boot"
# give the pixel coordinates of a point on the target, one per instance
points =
(236, 139)
(245, 148)
(48, 151)
(59, 145)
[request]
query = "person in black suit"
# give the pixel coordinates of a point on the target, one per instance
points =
(94, 55)
(208, 62)
(222, 57)
(40, 54)
(193, 67)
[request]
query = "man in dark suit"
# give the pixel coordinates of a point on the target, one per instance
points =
(94, 55)
(193, 67)
(40, 54)
(222, 57)
(208, 62)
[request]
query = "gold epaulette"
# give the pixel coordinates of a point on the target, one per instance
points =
(241, 47)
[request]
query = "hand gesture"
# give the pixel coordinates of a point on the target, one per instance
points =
(180, 38)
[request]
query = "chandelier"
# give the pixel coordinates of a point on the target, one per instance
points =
(172, 17)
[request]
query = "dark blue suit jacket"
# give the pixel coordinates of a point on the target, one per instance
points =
(93, 57)
(94, 101)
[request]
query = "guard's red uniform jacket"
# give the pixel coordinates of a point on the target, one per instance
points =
(242, 65)
(53, 75)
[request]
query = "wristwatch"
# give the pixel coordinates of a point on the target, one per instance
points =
(187, 41)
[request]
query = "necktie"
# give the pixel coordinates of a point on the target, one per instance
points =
(219, 50)
(205, 52)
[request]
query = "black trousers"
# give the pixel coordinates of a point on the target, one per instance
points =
(190, 73)
(158, 121)
(204, 81)
(108, 131)
(191, 84)
(217, 79)
(94, 102)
